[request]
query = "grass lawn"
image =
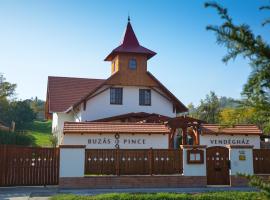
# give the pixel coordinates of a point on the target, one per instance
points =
(41, 132)
(165, 196)
(37, 134)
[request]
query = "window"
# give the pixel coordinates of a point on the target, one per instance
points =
(145, 97)
(195, 156)
(132, 64)
(116, 95)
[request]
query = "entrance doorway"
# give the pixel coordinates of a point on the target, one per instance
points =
(217, 166)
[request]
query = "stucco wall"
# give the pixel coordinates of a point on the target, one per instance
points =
(126, 141)
(72, 162)
(241, 166)
(224, 140)
(58, 124)
(193, 169)
(99, 106)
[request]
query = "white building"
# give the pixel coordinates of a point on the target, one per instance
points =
(130, 94)
(129, 89)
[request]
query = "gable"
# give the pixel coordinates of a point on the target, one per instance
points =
(145, 79)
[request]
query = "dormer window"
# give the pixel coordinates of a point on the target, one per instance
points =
(132, 64)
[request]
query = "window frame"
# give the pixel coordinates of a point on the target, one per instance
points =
(129, 63)
(142, 102)
(116, 100)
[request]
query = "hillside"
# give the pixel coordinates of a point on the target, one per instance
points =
(37, 134)
(41, 132)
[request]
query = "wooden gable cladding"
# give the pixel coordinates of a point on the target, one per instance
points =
(131, 77)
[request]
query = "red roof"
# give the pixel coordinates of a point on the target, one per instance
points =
(243, 129)
(130, 44)
(114, 127)
(137, 117)
(63, 92)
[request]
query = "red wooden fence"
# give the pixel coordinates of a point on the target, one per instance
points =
(261, 161)
(131, 162)
(28, 166)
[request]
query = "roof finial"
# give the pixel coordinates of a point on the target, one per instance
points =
(128, 18)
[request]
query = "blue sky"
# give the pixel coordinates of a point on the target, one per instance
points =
(71, 38)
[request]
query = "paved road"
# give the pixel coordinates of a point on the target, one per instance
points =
(43, 193)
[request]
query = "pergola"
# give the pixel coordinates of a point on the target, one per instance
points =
(188, 125)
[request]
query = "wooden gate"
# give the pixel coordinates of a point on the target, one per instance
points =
(261, 161)
(217, 166)
(133, 162)
(28, 166)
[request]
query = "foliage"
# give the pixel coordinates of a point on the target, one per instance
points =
(11, 110)
(16, 138)
(232, 116)
(21, 113)
(6, 89)
(211, 107)
(163, 196)
(37, 134)
(259, 183)
(240, 40)
(53, 140)
(38, 106)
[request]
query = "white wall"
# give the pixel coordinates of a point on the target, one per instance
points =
(193, 169)
(108, 141)
(224, 140)
(72, 162)
(241, 166)
(54, 123)
(99, 106)
(58, 123)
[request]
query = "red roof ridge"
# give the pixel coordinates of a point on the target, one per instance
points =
(117, 123)
(240, 129)
(228, 125)
(75, 78)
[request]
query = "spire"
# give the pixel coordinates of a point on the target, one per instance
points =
(130, 44)
(130, 39)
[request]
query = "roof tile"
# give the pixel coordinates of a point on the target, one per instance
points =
(242, 129)
(65, 91)
(114, 127)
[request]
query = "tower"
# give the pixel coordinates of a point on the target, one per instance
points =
(130, 58)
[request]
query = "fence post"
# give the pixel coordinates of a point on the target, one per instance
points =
(181, 160)
(5, 165)
(117, 168)
(150, 161)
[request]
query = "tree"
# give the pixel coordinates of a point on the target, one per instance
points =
(241, 41)
(6, 89)
(209, 108)
(10, 110)
(240, 115)
(21, 113)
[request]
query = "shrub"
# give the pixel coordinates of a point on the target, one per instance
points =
(15, 138)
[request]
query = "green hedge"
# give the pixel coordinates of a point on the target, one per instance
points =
(24, 139)
(164, 196)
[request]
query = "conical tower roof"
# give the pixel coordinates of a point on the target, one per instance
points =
(130, 44)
